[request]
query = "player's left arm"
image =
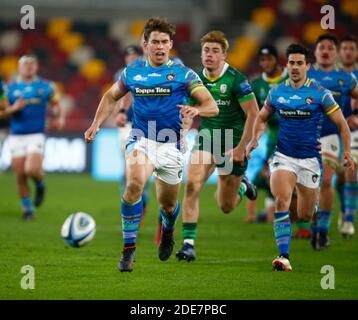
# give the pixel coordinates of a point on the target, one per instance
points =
(206, 105)
(248, 103)
(56, 116)
(251, 109)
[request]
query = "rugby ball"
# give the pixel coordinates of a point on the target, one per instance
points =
(78, 229)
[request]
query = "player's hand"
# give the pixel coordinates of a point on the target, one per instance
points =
(352, 122)
(55, 123)
(121, 119)
(348, 160)
(252, 145)
(237, 154)
(91, 133)
(188, 111)
(19, 104)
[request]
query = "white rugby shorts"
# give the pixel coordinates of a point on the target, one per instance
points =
(354, 146)
(331, 148)
(165, 157)
(307, 171)
(21, 145)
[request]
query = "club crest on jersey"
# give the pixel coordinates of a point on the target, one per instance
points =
(309, 100)
(223, 88)
(170, 76)
(341, 82)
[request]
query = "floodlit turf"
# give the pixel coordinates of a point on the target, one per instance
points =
(233, 259)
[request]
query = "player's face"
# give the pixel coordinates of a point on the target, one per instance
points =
(212, 56)
(297, 67)
(326, 53)
(268, 63)
(28, 68)
(158, 46)
(348, 52)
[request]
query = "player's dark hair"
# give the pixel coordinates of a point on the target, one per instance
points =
(158, 24)
(349, 38)
(298, 48)
(327, 36)
(216, 36)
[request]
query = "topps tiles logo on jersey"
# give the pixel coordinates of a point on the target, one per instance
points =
(153, 91)
(298, 114)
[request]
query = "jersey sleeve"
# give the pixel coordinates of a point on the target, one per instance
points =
(122, 81)
(328, 103)
(353, 82)
(242, 88)
(269, 104)
(193, 82)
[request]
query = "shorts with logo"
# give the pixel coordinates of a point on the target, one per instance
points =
(166, 158)
(308, 171)
(21, 145)
(331, 149)
(206, 141)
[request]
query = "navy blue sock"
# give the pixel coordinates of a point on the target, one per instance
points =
(169, 219)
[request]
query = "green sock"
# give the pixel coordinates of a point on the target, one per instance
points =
(301, 224)
(242, 190)
(189, 230)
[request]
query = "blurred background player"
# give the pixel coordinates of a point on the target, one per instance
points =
(157, 106)
(272, 74)
(238, 109)
(343, 86)
(29, 98)
(300, 103)
(348, 53)
(4, 123)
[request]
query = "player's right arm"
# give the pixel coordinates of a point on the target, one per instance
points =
(9, 110)
(260, 124)
(106, 107)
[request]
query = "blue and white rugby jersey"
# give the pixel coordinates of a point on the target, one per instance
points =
(37, 93)
(340, 83)
(300, 113)
(156, 92)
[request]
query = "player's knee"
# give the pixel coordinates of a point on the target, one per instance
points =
(282, 202)
(133, 191)
(192, 188)
(32, 172)
(326, 184)
(226, 207)
(168, 206)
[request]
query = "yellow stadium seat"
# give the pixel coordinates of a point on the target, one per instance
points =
(58, 27)
(311, 31)
(8, 66)
(136, 28)
(350, 7)
(70, 42)
(264, 17)
(93, 69)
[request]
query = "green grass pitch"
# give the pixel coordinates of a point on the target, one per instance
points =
(233, 259)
